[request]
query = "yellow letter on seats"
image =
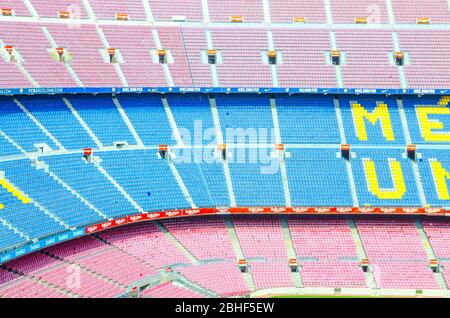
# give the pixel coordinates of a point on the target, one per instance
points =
(427, 125)
(380, 113)
(14, 191)
(440, 175)
(397, 176)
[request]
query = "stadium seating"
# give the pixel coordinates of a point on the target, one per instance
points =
(134, 45)
(29, 134)
(55, 116)
(313, 11)
(271, 275)
(346, 11)
(49, 9)
(27, 288)
(143, 168)
(164, 10)
(332, 273)
(106, 123)
(102, 189)
(169, 290)
(8, 148)
(9, 238)
(313, 120)
(224, 279)
(84, 44)
(195, 45)
(33, 46)
(407, 11)
(304, 56)
(420, 110)
(99, 191)
(56, 199)
(150, 123)
(382, 128)
(312, 241)
(172, 39)
(118, 258)
(376, 184)
(107, 10)
(246, 112)
(404, 275)
(64, 277)
(209, 242)
(309, 178)
(303, 53)
(73, 165)
(219, 11)
(243, 63)
(427, 68)
(18, 6)
(437, 233)
(138, 240)
(396, 252)
(256, 244)
(367, 59)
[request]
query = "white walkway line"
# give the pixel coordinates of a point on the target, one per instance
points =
(14, 229)
(173, 124)
(79, 196)
(219, 137)
(182, 186)
(15, 144)
(390, 12)
(348, 164)
(83, 123)
(415, 166)
(22, 69)
(248, 278)
(68, 67)
(370, 278)
(296, 276)
(116, 66)
(119, 187)
(205, 10)
(214, 75)
(31, 8)
(328, 12)
(165, 66)
(88, 8)
(400, 69)
(177, 243)
(127, 122)
(273, 68)
(283, 170)
(38, 123)
(266, 10)
(51, 215)
(337, 68)
(148, 11)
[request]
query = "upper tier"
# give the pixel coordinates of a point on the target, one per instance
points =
(303, 49)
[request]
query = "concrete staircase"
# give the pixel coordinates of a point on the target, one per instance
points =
(429, 250)
(296, 277)
(178, 244)
(238, 250)
(370, 279)
(86, 269)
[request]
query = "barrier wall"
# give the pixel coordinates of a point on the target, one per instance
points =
(277, 90)
(6, 257)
